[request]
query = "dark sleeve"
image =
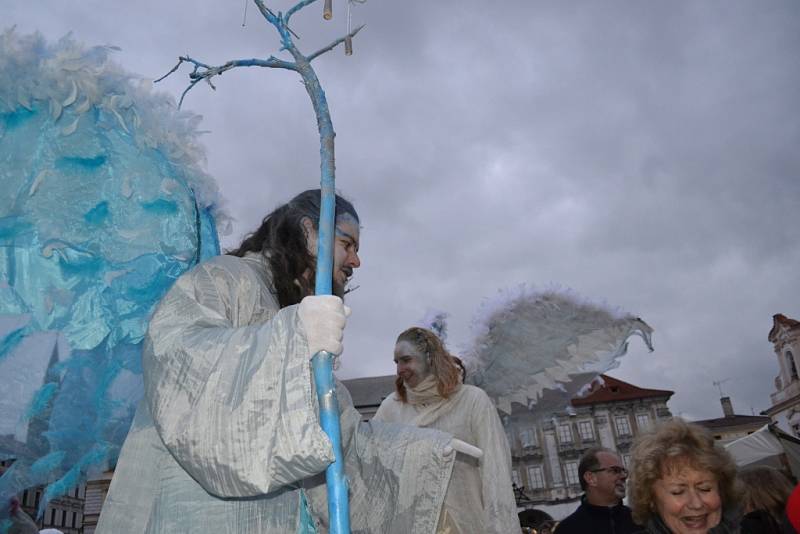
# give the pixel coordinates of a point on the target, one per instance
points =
(759, 522)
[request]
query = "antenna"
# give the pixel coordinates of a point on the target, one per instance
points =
(719, 383)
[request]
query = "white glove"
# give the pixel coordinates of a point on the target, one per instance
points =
(323, 319)
(462, 447)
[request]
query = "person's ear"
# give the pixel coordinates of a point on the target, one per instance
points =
(311, 235)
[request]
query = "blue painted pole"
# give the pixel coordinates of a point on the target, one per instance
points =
(335, 478)
(322, 363)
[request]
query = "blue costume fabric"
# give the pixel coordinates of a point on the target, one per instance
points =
(104, 204)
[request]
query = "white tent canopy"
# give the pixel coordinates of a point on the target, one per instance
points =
(766, 446)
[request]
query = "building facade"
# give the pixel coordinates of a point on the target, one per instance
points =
(545, 453)
(64, 513)
(731, 426)
(785, 409)
(96, 491)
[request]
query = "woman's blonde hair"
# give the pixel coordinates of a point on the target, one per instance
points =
(441, 362)
(764, 488)
(672, 445)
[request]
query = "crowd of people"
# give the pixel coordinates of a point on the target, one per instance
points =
(679, 482)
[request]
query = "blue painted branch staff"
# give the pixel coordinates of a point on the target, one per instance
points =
(228, 437)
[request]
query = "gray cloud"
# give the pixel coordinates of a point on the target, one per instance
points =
(641, 153)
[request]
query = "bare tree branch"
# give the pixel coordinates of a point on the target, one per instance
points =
(180, 60)
(206, 72)
(333, 45)
(297, 7)
(280, 24)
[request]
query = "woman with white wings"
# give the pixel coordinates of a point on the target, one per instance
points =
(430, 393)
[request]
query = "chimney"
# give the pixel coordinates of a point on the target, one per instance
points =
(727, 406)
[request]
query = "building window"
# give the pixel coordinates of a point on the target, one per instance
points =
(586, 431)
(564, 434)
(515, 477)
(527, 437)
(791, 365)
(623, 425)
(74, 519)
(557, 479)
(536, 477)
(37, 498)
(52, 516)
(643, 421)
(25, 498)
(626, 461)
(571, 470)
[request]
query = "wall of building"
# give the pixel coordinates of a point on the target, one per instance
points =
(545, 453)
(64, 513)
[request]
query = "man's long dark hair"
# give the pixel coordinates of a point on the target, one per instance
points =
(281, 238)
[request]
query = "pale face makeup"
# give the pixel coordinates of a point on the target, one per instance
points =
(412, 364)
(688, 500)
(345, 249)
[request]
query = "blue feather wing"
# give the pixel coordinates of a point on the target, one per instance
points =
(104, 206)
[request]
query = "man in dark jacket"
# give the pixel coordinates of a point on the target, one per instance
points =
(601, 511)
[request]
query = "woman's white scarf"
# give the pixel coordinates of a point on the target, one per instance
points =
(428, 403)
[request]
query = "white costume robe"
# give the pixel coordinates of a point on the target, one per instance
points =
(480, 498)
(227, 438)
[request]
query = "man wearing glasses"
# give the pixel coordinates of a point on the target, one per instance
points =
(602, 477)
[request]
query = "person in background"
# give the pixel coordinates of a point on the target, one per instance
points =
(430, 393)
(682, 483)
(765, 491)
(602, 477)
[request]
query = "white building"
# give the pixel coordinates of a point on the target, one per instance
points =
(785, 409)
(545, 453)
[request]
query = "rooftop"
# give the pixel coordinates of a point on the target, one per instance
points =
(613, 390)
(734, 420)
(780, 320)
(370, 390)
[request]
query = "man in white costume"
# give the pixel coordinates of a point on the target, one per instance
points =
(227, 438)
(429, 393)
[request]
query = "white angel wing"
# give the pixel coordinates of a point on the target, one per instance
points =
(528, 342)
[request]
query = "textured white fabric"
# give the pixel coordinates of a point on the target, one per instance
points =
(228, 433)
(479, 498)
(323, 320)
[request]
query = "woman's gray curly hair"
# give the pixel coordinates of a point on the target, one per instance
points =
(672, 445)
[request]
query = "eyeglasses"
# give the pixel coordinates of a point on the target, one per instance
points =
(614, 470)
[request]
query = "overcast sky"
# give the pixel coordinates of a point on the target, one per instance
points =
(642, 153)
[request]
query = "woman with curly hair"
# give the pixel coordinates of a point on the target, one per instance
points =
(430, 393)
(682, 482)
